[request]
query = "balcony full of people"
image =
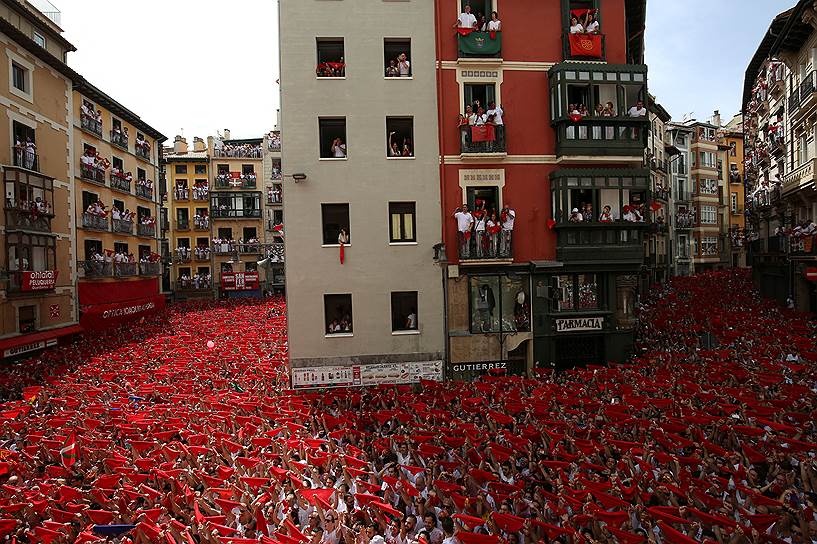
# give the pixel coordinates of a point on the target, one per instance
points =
(482, 131)
(93, 165)
(90, 119)
(274, 141)
(144, 188)
(201, 253)
(181, 192)
(142, 147)
(274, 194)
(146, 226)
(201, 190)
(238, 151)
(685, 219)
(183, 254)
(485, 233)
(30, 214)
(25, 154)
(201, 221)
(631, 213)
(119, 136)
(121, 180)
(199, 281)
(95, 216)
(122, 220)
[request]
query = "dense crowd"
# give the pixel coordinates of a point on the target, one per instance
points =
(184, 431)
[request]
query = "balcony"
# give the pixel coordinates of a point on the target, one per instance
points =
(608, 136)
(191, 285)
(182, 224)
(800, 178)
(249, 181)
(183, 255)
(807, 88)
(148, 230)
(249, 249)
(794, 102)
(235, 214)
(122, 226)
(181, 193)
(201, 254)
(201, 223)
(224, 181)
(275, 226)
(473, 44)
(25, 158)
(274, 199)
(25, 218)
(143, 152)
(275, 252)
(735, 177)
(94, 222)
(150, 269)
(96, 269)
(661, 194)
(90, 124)
(229, 151)
(123, 270)
(120, 182)
(201, 192)
(223, 248)
(584, 46)
(144, 191)
(482, 141)
(119, 139)
(92, 173)
(482, 248)
(600, 242)
(684, 221)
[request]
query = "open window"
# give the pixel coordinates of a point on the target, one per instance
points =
(92, 248)
(332, 134)
(483, 200)
(331, 60)
(397, 57)
(399, 137)
(404, 311)
(479, 95)
(338, 314)
(335, 224)
(25, 146)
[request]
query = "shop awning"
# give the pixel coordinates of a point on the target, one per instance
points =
(24, 343)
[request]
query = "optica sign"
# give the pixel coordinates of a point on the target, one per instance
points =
(43, 280)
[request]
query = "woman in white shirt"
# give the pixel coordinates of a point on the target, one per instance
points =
(591, 25)
(338, 149)
(494, 25)
(575, 26)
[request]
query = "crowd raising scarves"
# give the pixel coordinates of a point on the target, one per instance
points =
(184, 430)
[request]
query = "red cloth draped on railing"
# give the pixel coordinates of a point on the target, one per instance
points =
(483, 133)
(585, 45)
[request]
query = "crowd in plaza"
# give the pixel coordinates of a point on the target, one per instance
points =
(182, 429)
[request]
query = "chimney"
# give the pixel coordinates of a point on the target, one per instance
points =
(210, 144)
(179, 145)
(716, 118)
(198, 144)
(226, 133)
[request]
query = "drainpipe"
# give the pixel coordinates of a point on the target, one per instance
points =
(443, 206)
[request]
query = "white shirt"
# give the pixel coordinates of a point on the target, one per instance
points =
(493, 26)
(509, 218)
(480, 119)
(467, 20)
(405, 67)
(340, 151)
(576, 29)
(480, 223)
(411, 321)
(464, 220)
(593, 27)
(497, 113)
(637, 112)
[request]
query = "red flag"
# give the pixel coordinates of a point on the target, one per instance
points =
(655, 206)
(585, 45)
(551, 223)
(261, 522)
(341, 253)
(69, 451)
(483, 133)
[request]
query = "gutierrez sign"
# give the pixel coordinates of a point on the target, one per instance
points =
(580, 324)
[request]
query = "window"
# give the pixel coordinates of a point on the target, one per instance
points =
(31, 252)
(479, 95)
(25, 146)
(20, 77)
(225, 233)
(201, 168)
(499, 303)
(335, 223)
(709, 215)
(707, 159)
(144, 251)
(397, 57)
(181, 168)
(27, 319)
(92, 247)
(709, 245)
(693, 242)
(404, 311)
(141, 174)
(249, 233)
(402, 221)
(331, 61)
(120, 247)
(708, 186)
(117, 163)
(338, 314)
(119, 204)
(88, 199)
(733, 203)
(235, 204)
(576, 292)
(332, 133)
(39, 39)
(247, 169)
(399, 137)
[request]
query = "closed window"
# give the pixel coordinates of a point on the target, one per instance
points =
(402, 221)
(709, 215)
(404, 311)
(181, 168)
(335, 224)
(338, 314)
(20, 77)
(27, 319)
(39, 39)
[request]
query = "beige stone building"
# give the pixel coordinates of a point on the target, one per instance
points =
(377, 298)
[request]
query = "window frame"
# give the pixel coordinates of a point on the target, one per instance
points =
(398, 125)
(575, 308)
(38, 38)
(501, 279)
(325, 207)
(327, 297)
(28, 77)
(392, 42)
(325, 125)
(393, 209)
(412, 305)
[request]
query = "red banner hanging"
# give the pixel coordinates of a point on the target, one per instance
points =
(585, 45)
(239, 281)
(43, 280)
(102, 316)
(483, 133)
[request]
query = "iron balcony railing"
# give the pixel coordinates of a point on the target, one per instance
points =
(235, 214)
(202, 223)
(25, 158)
(92, 221)
(150, 269)
(183, 255)
(96, 269)
(202, 253)
(26, 219)
(91, 173)
(142, 152)
(119, 139)
(201, 192)
(807, 86)
(495, 145)
(223, 248)
(146, 230)
(121, 270)
(122, 226)
(191, 284)
(482, 246)
(252, 152)
(120, 183)
(143, 191)
(181, 193)
(86, 122)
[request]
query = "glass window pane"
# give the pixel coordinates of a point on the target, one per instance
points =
(408, 224)
(484, 304)
(588, 292)
(564, 293)
(515, 304)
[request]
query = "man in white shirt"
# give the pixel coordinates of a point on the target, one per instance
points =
(403, 65)
(638, 110)
(507, 216)
(494, 115)
(411, 320)
(466, 18)
(464, 222)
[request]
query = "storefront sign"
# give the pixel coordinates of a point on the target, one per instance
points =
(43, 280)
(363, 375)
(580, 324)
(468, 371)
(239, 281)
(25, 348)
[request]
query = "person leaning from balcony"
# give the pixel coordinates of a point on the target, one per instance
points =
(591, 24)
(638, 110)
(343, 237)
(575, 216)
(507, 216)
(606, 216)
(575, 26)
(338, 148)
(493, 228)
(495, 115)
(480, 219)
(599, 111)
(494, 25)
(115, 214)
(466, 18)
(392, 70)
(464, 222)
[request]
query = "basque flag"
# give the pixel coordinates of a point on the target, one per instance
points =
(69, 451)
